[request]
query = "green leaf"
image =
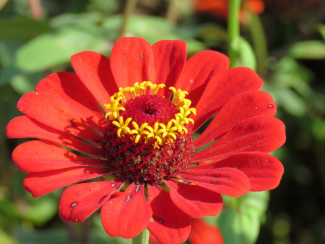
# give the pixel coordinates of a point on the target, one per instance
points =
(291, 102)
(246, 54)
(308, 50)
(41, 237)
(22, 28)
(240, 222)
(151, 28)
(321, 29)
(69, 19)
(56, 48)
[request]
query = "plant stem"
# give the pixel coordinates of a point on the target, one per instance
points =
(172, 12)
(233, 30)
(129, 8)
(260, 45)
(143, 238)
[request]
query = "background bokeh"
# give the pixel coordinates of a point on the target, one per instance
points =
(283, 40)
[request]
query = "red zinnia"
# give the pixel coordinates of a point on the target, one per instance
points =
(220, 7)
(146, 147)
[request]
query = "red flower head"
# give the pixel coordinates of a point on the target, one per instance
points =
(220, 7)
(146, 147)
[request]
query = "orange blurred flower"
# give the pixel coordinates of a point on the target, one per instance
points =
(220, 7)
(201, 233)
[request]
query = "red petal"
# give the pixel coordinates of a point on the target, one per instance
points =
(24, 127)
(50, 110)
(79, 201)
(198, 72)
(128, 214)
(221, 88)
(260, 133)
(40, 183)
(95, 73)
(227, 181)
(70, 88)
(239, 108)
(169, 59)
(194, 200)
(203, 233)
(168, 223)
(263, 170)
(36, 156)
(132, 61)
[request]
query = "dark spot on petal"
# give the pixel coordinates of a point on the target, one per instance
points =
(72, 123)
(129, 198)
(142, 55)
(77, 193)
(74, 204)
(270, 105)
(160, 221)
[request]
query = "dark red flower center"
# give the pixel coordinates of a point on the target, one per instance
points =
(148, 139)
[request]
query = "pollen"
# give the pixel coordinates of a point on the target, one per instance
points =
(154, 118)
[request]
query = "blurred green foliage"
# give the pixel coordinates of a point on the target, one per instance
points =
(292, 66)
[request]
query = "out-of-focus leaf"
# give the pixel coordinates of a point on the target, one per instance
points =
(41, 210)
(22, 28)
(308, 50)
(107, 6)
(318, 128)
(246, 54)
(211, 34)
(291, 102)
(57, 47)
(21, 84)
(69, 19)
(99, 236)
(5, 238)
(321, 29)
(40, 237)
(240, 222)
(152, 29)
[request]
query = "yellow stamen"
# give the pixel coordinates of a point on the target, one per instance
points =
(161, 132)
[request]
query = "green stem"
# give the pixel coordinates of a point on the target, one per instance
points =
(143, 238)
(233, 30)
(129, 8)
(259, 42)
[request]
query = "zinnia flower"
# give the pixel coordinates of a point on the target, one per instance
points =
(220, 7)
(145, 150)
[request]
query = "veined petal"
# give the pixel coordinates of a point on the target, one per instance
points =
(79, 201)
(127, 215)
(132, 61)
(239, 108)
(194, 200)
(37, 156)
(94, 70)
(40, 183)
(221, 88)
(263, 170)
(169, 60)
(51, 110)
(69, 88)
(168, 224)
(24, 127)
(259, 133)
(227, 181)
(199, 71)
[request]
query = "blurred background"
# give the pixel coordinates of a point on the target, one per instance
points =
(283, 40)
